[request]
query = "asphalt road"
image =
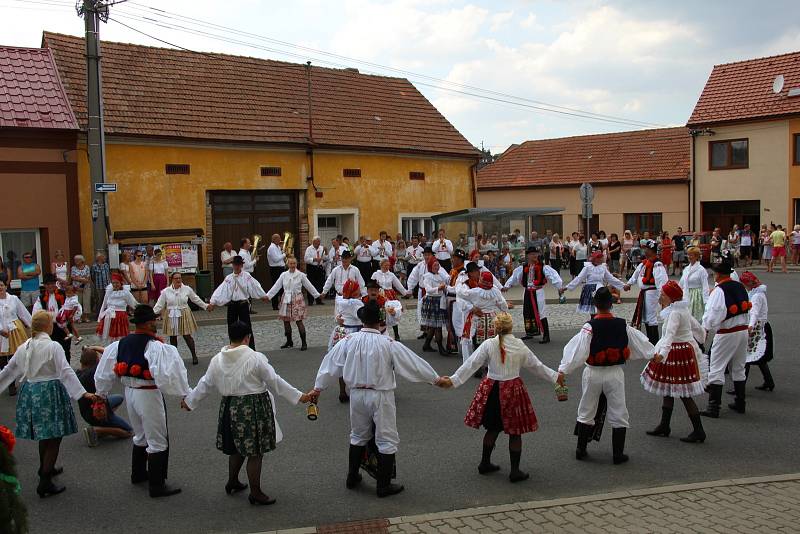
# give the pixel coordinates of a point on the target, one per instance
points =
(438, 453)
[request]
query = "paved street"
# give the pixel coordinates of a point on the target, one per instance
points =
(438, 453)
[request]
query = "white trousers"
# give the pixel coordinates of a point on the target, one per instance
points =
(466, 348)
(148, 417)
(651, 308)
(542, 302)
(370, 407)
(611, 381)
(728, 349)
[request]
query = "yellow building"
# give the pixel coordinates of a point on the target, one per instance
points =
(221, 147)
(746, 130)
(640, 181)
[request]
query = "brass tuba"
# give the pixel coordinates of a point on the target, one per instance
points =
(255, 240)
(288, 243)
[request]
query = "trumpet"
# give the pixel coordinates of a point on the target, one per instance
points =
(288, 243)
(256, 239)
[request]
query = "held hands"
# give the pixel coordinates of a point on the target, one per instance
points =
(561, 380)
(313, 395)
(444, 382)
(391, 311)
(305, 398)
(4, 333)
(626, 287)
(658, 358)
(340, 320)
(749, 329)
(185, 406)
(210, 308)
(503, 289)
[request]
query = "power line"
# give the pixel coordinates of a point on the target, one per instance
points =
(195, 31)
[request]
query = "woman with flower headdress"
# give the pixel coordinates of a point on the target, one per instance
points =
(759, 347)
(113, 316)
(488, 301)
(501, 402)
(433, 315)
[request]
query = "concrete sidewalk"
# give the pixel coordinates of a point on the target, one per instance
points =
(758, 504)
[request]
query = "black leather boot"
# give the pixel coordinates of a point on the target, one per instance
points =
(396, 331)
(714, 401)
(157, 475)
(289, 343)
(516, 475)
(546, 329)
(738, 404)
(385, 468)
(353, 465)
(584, 433)
(46, 487)
(768, 385)
(303, 345)
(486, 466)
(426, 347)
(138, 465)
(618, 445)
(662, 429)
(698, 435)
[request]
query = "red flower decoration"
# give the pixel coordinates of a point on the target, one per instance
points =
(600, 357)
(626, 353)
(136, 370)
(121, 369)
(147, 375)
(7, 438)
(733, 308)
(613, 355)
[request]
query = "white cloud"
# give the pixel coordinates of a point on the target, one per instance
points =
(529, 21)
(500, 19)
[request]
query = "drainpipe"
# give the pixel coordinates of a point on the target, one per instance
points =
(692, 187)
(310, 150)
(473, 174)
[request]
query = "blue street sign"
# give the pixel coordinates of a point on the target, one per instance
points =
(105, 187)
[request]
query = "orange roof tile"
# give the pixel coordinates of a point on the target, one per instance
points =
(660, 155)
(171, 93)
(743, 91)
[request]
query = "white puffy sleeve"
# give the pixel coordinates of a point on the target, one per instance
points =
(397, 306)
(194, 298)
(254, 288)
(222, 294)
(161, 303)
(167, 368)
(332, 365)
(715, 310)
(413, 278)
(576, 351)
(410, 366)
(661, 276)
(639, 345)
(515, 278)
(578, 280)
(477, 360)
(635, 276)
(203, 387)
(668, 334)
(757, 310)
(309, 286)
(104, 376)
(552, 276)
(274, 381)
(698, 332)
(329, 281)
(501, 302)
(611, 280)
(276, 287)
(10, 372)
(361, 284)
(532, 363)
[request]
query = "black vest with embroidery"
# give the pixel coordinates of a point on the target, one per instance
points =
(538, 274)
(130, 357)
(737, 301)
(609, 344)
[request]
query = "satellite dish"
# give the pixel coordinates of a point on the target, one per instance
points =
(777, 85)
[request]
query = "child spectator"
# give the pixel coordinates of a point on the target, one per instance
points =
(70, 312)
(114, 425)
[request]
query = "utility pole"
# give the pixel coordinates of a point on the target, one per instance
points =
(93, 11)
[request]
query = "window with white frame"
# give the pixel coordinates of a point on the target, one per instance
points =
(411, 226)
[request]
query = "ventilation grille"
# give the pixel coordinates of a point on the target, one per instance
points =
(270, 171)
(351, 173)
(177, 168)
(416, 175)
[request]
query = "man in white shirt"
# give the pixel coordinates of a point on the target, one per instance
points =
(226, 258)
(443, 250)
(244, 252)
(315, 259)
(363, 253)
(235, 292)
(276, 260)
(381, 250)
(341, 274)
(414, 256)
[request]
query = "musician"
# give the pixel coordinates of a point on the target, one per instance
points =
(234, 292)
(414, 257)
(315, 259)
(341, 274)
(276, 260)
(443, 250)
(380, 250)
(363, 253)
(244, 252)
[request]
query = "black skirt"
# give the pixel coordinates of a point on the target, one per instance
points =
(492, 416)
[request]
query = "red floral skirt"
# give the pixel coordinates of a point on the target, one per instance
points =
(502, 405)
(676, 376)
(119, 326)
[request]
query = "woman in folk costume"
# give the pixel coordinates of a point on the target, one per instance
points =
(14, 319)
(601, 348)
(391, 310)
(463, 309)
(759, 347)
(650, 275)
(179, 320)
(694, 283)
(533, 276)
(489, 301)
(675, 372)
(434, 306)
(247, 426)
(392, 289)
(113, 315)
(347, 322)
(293, 305)
(44, 410)
(501, 402)
(594, 275)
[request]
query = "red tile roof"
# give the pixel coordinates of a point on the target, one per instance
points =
(172, 93)
(660, 155)
(31, 94)
(743, 91)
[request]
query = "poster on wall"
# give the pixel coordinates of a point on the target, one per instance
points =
(180, 257)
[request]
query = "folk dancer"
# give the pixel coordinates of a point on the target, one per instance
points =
(759, 346)
(341, 274)
(149, 369)
(381, 250)
(414, 256)
(694, 283)
(387, 283)
(14, 319)
(51, 299)
(650, 275)
(675, 371)
(602, 347)
(247, 426)
(464, 312)
(415, 282)
(276, 261)
(113, 314)
(433, 315)
(487, 301)
(179, 319)
(443, 250)
(368, 362)
(593, 275)
(347, 322)
(457, 273)
(501, 402)
(727, 316)
(315, 259)
(534, 275)
(293, 304)
(235, 292)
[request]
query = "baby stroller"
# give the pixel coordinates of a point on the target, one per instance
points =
(634, 258)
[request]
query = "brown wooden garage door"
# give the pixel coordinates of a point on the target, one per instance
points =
(238, 214)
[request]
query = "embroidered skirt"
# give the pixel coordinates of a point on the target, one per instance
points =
(697, 305)
(759, 344)
(484, 328)
(159, 283)
(676, 376)
(16, 337)
(502, 405)
(186, 324)
(44, 411)
(340, 332)
(586, 302)
(432, 313)
(295, 308)
(246, 425)
(119, 325)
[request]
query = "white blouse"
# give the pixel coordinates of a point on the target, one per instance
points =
(315, 255)
(237, 287)
(486, 300)
(292, 284)
(40, 360)
(518, 355)
(117, 300)
(679, 327)
(760, 310)
(177, 299)
(694, 276)
(388, 280)
(159, 267)
(347, 310)
(339, 275)
(599, 275)
(11, 309)
(431, 282)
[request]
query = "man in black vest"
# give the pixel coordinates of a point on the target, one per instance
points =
(602, 347)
